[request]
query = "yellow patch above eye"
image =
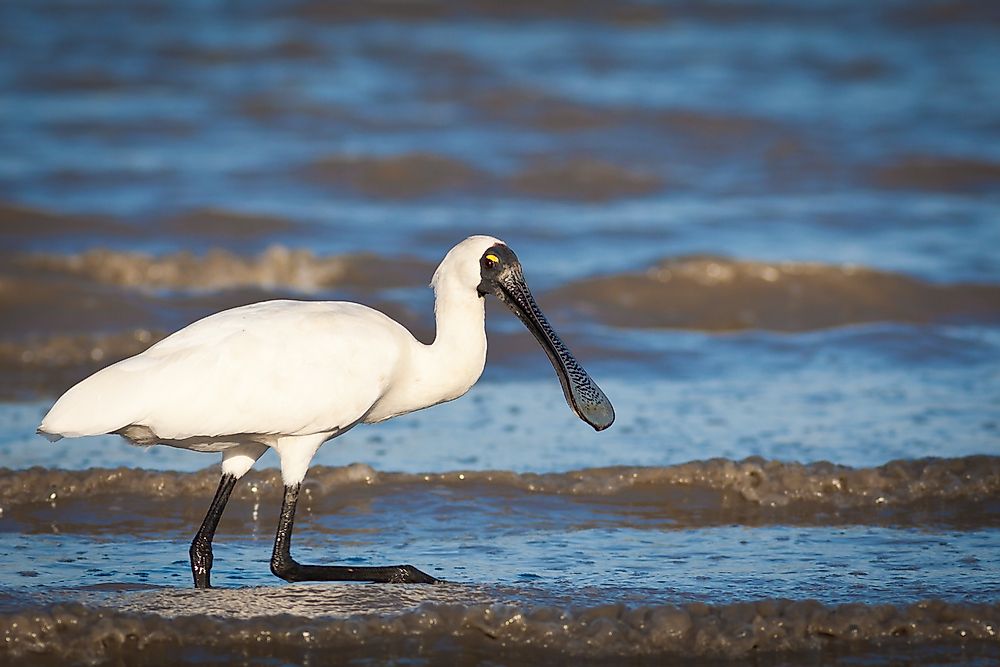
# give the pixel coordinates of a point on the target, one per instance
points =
(493, 258)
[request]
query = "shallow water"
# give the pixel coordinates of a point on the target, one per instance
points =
(622, 561)
(769, 230)
(547, 566)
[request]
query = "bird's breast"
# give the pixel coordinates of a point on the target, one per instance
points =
(431, 375)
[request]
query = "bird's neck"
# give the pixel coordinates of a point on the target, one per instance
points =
(447, 368)
(455, 360)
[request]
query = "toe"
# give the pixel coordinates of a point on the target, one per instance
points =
(410, 575)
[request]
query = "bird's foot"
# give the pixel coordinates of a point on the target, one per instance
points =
(407, 574)
(291, 571)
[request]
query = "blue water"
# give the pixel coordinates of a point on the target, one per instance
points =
(858, 396)
(104, 118)
(835, 132)
(575, 566)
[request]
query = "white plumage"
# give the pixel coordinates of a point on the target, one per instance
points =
(282, 370)
(291, 375)
(278, 368)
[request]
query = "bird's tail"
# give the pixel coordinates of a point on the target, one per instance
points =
(51, 437)
(103, 403)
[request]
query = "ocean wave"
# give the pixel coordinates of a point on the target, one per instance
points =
(706, 131)
(277, 267)
(83, 304)
(75, 634)
(937, 172)
(753, 491)
(23, 224)
(629, 12)
(720, 294)
(587, 179)
(219, 223)
(423, 174)
(707, 293)
(49, 364)
(20, 223)
(67, 315)
(397, 177)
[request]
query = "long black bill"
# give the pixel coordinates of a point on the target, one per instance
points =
(582, 393)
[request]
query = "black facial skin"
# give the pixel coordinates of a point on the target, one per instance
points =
(504, 279)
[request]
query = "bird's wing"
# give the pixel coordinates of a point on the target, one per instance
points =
(278, 367)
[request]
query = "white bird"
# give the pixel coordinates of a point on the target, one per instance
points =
(291, 375)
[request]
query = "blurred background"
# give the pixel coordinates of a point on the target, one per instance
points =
(767, 228)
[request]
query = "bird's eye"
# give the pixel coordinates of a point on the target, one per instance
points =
(490, 261)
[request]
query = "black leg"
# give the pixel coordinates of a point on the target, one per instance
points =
(201, 547)
(284, 566)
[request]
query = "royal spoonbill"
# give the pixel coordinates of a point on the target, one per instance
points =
(292, 375)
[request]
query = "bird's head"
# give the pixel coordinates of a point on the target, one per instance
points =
(489, 266)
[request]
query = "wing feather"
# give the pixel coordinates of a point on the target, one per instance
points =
(277, 367)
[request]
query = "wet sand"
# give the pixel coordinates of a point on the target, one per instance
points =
(779, 630)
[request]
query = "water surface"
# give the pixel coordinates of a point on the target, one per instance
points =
(767, 229)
